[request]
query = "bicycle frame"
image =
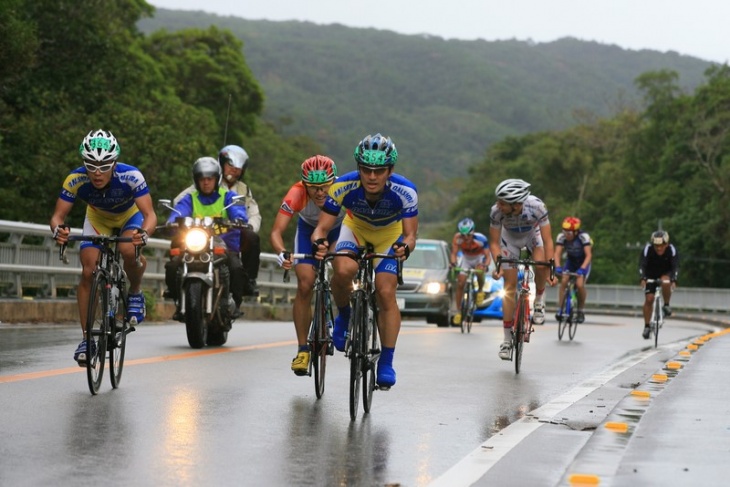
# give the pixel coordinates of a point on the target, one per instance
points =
(106, 325)
(362, 346)
(522, 326)
(569, 308)
(657, 311)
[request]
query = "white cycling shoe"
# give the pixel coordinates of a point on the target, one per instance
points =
(504, 350)
(538, 316)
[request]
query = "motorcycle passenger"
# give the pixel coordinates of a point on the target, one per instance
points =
(234, 160)
(382, 209)
(475, 255)
(579, 249)
(117, 197)
(305, 197)
(209, 199)
(659, 260)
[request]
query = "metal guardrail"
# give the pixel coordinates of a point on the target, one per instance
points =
(29, 262)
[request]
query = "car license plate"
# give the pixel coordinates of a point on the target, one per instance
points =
(401, 302)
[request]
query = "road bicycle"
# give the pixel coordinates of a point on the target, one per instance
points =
(657, 312)
(107, 326)
(468, 297)
(522, 324)
(362, 346)
(319, 338)
(568, 313)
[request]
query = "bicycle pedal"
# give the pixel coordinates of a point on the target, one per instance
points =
(382, 388)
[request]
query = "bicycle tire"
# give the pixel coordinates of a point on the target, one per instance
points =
(573, 323)
(471, 306)
(564, 315)
(356, 352)
(118, 340)
(465, 306)
(319, 341)
(370, 337)
(658, 302)
(96, 332)
(520, 324)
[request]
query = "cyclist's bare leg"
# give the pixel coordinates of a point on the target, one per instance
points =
(561, 290)
(389, 317)
(666, 289)
(542, 273)
(134, 273)
(648, 305)
(461, 280)
(88, 257)
(344, 271)
(580, 284)
(510, 297)
(302, 309)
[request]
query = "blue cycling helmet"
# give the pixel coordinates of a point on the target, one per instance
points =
(466, 226)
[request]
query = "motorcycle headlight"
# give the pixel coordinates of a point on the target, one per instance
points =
(196, 240)
(434, 288)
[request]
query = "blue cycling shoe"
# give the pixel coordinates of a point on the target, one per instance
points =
(81, 356)
(339, 333)
(386, 376)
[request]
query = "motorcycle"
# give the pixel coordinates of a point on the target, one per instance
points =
(203, 276)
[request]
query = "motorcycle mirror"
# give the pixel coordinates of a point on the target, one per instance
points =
(235, 200)
(168, 204)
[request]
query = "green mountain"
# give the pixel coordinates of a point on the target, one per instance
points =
(442, 101)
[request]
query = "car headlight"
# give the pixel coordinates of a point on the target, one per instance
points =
(434, 288)
(196, 239)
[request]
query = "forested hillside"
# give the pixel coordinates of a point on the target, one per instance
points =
(443, 102)
(649, 147)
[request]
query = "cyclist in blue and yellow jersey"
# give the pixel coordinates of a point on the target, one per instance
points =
(306, 197)
(117, 198)
(519, 220)
(210, 199)
(475, 255)
(658, 260)
(382, 209)
(579, 250)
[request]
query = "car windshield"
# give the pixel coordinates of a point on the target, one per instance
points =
(426, 256)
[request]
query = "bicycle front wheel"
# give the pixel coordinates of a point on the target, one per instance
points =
(519, 336)
(118, 341)
(320, 340)
(564, 315)
(358, 322)
(465, 307)
(370, 338)
(656, 322)
(97, 321)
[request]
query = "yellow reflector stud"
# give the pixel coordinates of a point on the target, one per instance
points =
(659, 377)
(617, 427)
(641, 393)
(674, 365)
(583, 479)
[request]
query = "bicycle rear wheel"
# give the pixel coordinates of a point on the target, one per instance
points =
(656, 322)
(356, 351)
(472, 303)
(564, 315)
(573, 322)
(319, 341)
(96, 332)
(520, 325)
(118, 341)
(465, 306)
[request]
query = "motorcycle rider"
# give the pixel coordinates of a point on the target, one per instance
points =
(209, 199)
(233, 160)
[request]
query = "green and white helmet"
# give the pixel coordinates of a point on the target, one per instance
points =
(466, 226)
(376, 151)
(100, 146)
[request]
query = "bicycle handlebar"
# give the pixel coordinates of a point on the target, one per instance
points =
(102, 240)
(527, 262)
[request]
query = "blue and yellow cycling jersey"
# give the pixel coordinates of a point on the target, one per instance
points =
(115, 202)
(399, 200)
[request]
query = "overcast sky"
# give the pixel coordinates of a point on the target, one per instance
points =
(699, 28)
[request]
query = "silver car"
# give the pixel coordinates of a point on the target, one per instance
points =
(427, 288)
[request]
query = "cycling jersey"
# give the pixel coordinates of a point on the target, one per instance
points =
(297, 200)
(522, 230)
(380, 223)
(472, 247)
(654, 266)
(575, 248)
(112, 205)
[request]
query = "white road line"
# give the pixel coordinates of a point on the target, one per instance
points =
(477, 463)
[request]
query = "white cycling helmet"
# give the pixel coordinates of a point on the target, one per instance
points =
(99, 146)
(513, 190)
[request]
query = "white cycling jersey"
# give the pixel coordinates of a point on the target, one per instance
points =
(521, 230)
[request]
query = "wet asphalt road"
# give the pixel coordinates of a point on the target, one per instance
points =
(236, 415)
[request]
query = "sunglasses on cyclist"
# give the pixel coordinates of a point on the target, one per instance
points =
(92, 168)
